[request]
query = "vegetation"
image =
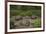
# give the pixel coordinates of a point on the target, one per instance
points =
(36, 23)
(22, 10)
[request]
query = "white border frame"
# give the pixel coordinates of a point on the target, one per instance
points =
(27, 29)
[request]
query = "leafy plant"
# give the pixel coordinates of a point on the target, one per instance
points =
(37, 22)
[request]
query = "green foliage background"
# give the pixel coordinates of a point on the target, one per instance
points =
(23, 10)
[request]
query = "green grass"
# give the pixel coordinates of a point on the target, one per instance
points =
(37, 23)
